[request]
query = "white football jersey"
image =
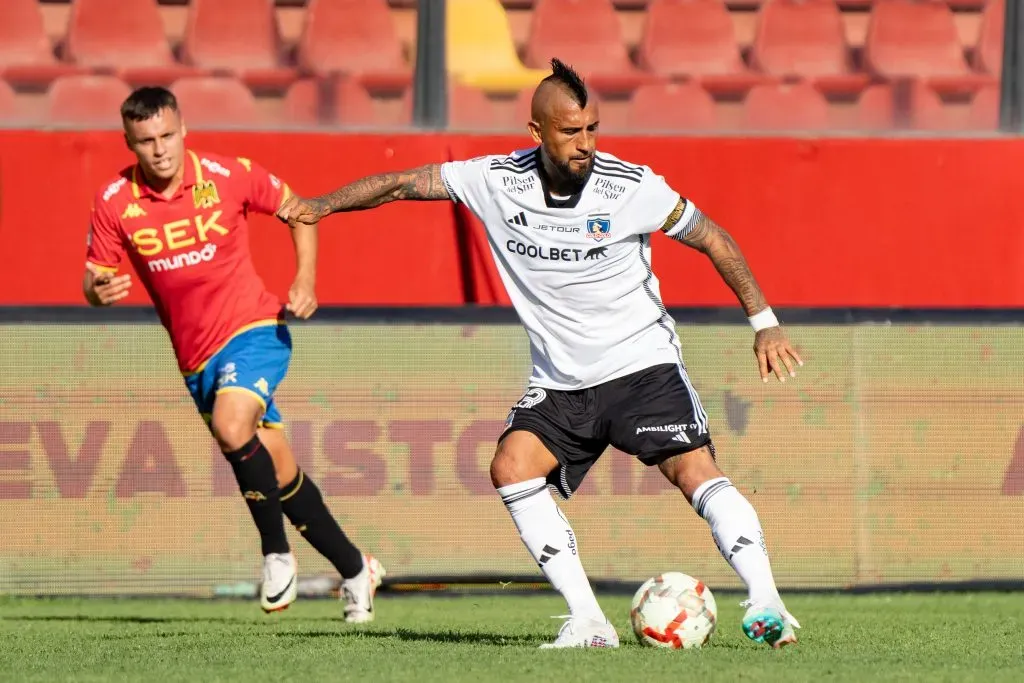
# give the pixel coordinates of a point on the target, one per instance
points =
(577, 269)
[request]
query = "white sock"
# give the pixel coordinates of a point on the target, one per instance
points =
(549, 538)
(738, 535)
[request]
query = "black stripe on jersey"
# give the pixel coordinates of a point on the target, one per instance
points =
(513, 169)
(515, 161)
(608, 174)
(665, 319)
(616, 165)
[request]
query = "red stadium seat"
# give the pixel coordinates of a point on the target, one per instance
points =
(695, 39)
(918, 40)
(124, 37)
(585, 34)
(902, 106)
(215, 101)
(236, 37)
(87, 100)
(9, 110)
(788, 106)
(470, 109)
(984, 115)
(806, 39)
(988, 53)
(302, 103)
(671, 108)
(354, 107)
(26, 56)
(353, 37)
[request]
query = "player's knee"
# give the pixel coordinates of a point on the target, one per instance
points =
(231, 434)
(520, 457)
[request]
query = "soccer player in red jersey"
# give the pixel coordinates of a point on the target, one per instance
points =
(180, 216)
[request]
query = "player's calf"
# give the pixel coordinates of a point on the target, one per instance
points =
(304, 506)
(542, 527)
(738, 534)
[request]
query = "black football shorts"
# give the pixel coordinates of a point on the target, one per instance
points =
(652, 414)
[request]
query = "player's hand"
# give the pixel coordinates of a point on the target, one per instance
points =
(305, 211)
(302, 298)
(775, 354)
(108, 287)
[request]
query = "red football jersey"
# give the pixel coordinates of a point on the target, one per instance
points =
(192, 251)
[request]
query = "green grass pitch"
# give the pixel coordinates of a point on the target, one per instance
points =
(906, 637)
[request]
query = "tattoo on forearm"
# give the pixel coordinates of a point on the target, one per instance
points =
(721, 248)
(424, 183)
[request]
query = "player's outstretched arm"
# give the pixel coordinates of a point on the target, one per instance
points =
(423, 184)
(772, 347)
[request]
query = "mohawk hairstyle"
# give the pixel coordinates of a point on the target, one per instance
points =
(145, 103)
(564, 74)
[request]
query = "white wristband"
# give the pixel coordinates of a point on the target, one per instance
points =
(763, 320)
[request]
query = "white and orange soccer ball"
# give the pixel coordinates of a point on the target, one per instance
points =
(673, 610)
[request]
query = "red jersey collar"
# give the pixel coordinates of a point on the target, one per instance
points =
(193, 174)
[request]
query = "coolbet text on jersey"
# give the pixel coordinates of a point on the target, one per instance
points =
(191, 251)
(578, 268)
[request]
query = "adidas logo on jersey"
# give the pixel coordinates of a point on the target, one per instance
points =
(519, 219)
(133, 210)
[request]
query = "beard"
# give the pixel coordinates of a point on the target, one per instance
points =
(573, 180)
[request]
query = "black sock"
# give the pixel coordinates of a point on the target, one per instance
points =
(254, 471)
(305, 507)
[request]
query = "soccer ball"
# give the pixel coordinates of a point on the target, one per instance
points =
(675, 611)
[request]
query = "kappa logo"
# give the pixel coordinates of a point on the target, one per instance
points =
(204, 194)
(596, 253)
(133, 210)
(599, 227)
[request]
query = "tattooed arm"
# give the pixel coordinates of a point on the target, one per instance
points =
(707, 237)
(771, 345)
(423, 184)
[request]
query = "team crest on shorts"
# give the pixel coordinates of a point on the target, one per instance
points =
(599, 227)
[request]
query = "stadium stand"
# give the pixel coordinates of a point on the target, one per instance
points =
(9, 110)
(237, 37)
(686, 39)
(125, 38)
(26, 54)
(215, 101)
(798, 39)
(349, 62)
(85, 99)
(480, 49)
(353, 37)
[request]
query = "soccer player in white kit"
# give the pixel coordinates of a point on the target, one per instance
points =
(565, 221)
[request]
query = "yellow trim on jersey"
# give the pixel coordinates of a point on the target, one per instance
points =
(242, 390)
(197, 165)
(286, 194)
(241, 330)
(135, 183)
(273, 425)
(102, 268)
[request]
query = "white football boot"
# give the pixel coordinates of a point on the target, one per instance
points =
(770, 624)
(280, 584)
(357, 593)
(583, 632)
